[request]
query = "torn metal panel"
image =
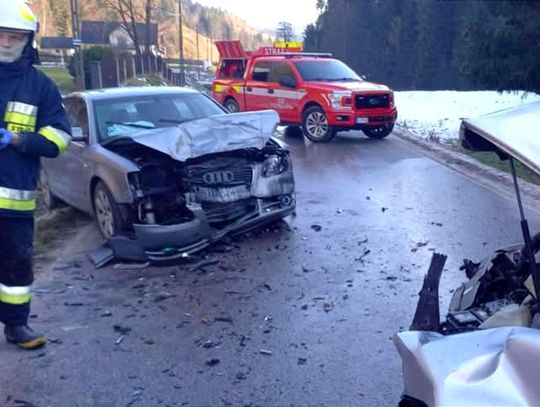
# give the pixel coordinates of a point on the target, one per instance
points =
(495, 367)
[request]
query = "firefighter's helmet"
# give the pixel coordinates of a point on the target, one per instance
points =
(16, 15)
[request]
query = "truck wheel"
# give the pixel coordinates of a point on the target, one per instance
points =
(378, 132)
(231, 105)
(315, 125)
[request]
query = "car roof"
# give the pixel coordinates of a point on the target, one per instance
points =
(108, 93)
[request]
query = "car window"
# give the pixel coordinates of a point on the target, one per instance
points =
(125, 116)
(77, 113)
(279, 70)
(261, 71)
(325, 70)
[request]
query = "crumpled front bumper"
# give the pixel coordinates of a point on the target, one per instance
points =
(168, 242)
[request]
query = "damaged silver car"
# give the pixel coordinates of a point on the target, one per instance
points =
(486, 352)
(169, 167)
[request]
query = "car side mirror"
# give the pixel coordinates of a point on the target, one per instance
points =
(288, 82)
(77, 134)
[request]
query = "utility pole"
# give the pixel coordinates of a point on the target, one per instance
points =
(197, 45)
(181, 44)
(76, 33)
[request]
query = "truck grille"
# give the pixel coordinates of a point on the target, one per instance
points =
(372, 101)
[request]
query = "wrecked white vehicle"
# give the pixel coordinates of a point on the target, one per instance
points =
(487, 350)
(169, 168)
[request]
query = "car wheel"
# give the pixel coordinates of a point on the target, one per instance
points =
(293, 131)
(107, 212)
(378, 132)
(50, 201)
(231, 105)
(315, 126)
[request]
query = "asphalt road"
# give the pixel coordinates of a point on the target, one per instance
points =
(297, 314)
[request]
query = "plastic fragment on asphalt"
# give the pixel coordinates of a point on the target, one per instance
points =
(120, 339)
(265, 352)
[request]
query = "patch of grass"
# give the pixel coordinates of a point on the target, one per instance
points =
(60, 76)
(55, 226)
(492, 159)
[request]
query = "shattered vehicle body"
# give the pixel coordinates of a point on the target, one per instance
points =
(168, 168)
(487, 349)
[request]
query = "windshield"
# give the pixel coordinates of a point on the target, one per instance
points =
(326, 70)
(125, 116)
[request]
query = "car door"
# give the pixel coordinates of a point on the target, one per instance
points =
(69, 174)
(286, 97)
(258, 92)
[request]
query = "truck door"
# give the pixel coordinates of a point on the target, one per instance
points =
(257, 88)
(285, 96)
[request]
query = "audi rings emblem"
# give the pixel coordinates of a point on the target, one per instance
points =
(218, 177)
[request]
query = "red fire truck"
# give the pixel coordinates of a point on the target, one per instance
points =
(316, 92)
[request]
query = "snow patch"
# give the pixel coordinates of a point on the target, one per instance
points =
(436, 115)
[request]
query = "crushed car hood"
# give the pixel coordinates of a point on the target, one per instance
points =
(213, 134)
(513, 131)
(493, 367)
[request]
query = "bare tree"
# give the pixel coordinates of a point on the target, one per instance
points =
(129, 13)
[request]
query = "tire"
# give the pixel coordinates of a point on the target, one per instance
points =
(50, 201)
(378, 132)
(231, 105)
(293, 131)
(315, 125)
(107, 212)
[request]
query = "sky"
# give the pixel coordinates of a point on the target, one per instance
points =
(266, 14)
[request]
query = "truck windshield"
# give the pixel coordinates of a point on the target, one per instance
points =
(330, 70)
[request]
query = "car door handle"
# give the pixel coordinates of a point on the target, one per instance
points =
(249, 89)
(270, 90)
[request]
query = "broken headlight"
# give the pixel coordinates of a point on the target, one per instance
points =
(274, 165)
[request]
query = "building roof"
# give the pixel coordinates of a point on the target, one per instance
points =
(56, 42)
(97, 32)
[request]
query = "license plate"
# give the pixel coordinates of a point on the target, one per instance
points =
(222, 195)
(360, 120)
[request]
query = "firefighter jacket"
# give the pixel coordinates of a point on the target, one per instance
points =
(31, 105)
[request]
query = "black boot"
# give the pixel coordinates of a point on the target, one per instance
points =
(24, 336)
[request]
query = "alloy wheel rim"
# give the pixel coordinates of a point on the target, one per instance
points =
(104, 214)
(317, 125)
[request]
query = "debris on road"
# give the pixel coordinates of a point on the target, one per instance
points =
(265, 352)
(328, 307)
(302, 361)
(213, 362)
(120, 339)
(316, 228)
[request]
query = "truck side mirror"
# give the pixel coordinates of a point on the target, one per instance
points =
(288, 81)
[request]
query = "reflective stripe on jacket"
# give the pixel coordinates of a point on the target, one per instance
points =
(30, 105)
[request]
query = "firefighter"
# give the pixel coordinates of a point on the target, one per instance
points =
(33, 124)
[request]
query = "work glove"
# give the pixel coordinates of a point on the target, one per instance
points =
(5, 138)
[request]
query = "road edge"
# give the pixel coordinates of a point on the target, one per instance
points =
(482, 174)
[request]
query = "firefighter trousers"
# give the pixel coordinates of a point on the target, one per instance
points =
(16, 275)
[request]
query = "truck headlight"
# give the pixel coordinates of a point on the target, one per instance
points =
(337, 99)
(274, 165)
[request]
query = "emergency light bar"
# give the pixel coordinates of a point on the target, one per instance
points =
(307, 54)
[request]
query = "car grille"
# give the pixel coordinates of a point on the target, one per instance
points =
(372, 101)
(226, 212)
(219, 175)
